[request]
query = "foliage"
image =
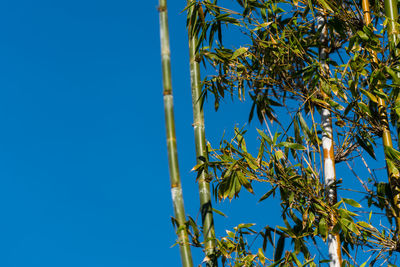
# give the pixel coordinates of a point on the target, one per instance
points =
(277, 67)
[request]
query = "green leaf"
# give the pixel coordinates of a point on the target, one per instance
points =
(351, 202)
(245, 225)
(276, 263)
(197, 167)
(279, 248)
(230, 234)
(325, 5)
(239, 52)
(244, 181)
(381, 94)
(365, 225)
(279, 154)
(296, 260)
(219, 212)
(393, 74)
(288, 231)
(251, 161)
(323, 228)
(350, 225)
(366, 145)
(304, 127)
(261, 256)
(265, 137)
(266, 195)
(297, 135)
(369, 95)
(276, 136)
(364, 108)
(363, 35)
(291, 145)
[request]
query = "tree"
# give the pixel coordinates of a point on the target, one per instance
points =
(292, 70)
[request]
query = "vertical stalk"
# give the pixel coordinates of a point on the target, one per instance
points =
(393, 33)
(391, 13)
(386, 136)
(334, 247)
(201, 150)
(176, 188)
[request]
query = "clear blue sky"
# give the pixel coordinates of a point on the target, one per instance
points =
(83, 168)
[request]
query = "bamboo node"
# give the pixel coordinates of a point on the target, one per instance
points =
(198, 124)
(161, 8)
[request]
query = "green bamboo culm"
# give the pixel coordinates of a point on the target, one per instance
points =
(393, 35)
(176, 187)
(392, 15)
(201, 150)
(394, 38)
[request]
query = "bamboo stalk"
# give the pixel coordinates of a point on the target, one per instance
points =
(393, 31)
(391, 13)
(176, 188)
(335, 252)
(386, 135)
(201, 151)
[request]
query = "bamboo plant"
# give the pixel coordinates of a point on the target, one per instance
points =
(201, 150)
(176, 187)
(393, 34)
(335, 253)
(279, 61)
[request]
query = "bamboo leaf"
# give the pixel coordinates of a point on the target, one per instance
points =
(230, 233)
(279, 154)
(239, 52)
(291, 145)
(304, 127)
(261, 256)
(363, 35)
(369, 95)
(276, 263)
(265, 137)
(266, 195)
(393, 74)
(297, 135)
(365, 225)
(351, 202)
(219, 212)
(279, 248)
(323, 228)
(364, 108)
(245, 225)
(366, 145)
(296, 260)
(325, 5)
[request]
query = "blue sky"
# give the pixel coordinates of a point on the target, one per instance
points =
(83, 167)
(84, 175)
